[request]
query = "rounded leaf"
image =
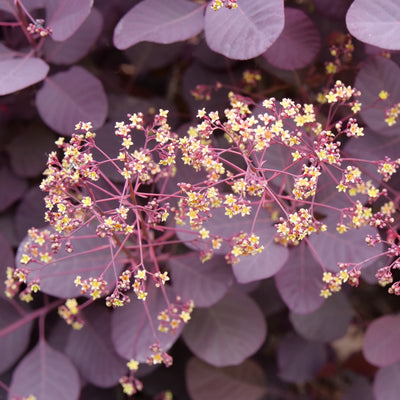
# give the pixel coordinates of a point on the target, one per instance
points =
(376, 74)
(375, 22)
(159, 21)
(69, 97)
(227, 332)
(297, 45)
(243, 381)
(299, 282)
(387, 383)
(90, 258)
(333, 247)
(14, 343)
(300, 360)
(46, 374)
(204, 283)
(78, 45)
(329, 322)
(244, 32)
(19, 73)
(91, 349)
(11, 187)
(132, 333)
(64, 17)
(381, 341)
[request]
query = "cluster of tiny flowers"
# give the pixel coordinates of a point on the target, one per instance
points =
(30, 397)
(217, 4)
(96, 287)
(298, 225)
(243, 245)
(392, 114)
(117, 297)
(342, 53)
(158, 356)
(333, 281)
(388, 167)
(130, 385)
(38, 28)
(305, 185)
(17, 277)
(69, 312)
(176, 313)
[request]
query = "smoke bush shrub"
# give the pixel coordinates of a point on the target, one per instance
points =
(223, 199)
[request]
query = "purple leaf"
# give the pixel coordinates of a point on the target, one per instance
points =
(244, 32)
(332, 247)
(376, 23)
(65, 17)
(381, 340)
(8, 5)
(387, 383)
(299, 282)
(90, 258)
(46, 374)
(159, 21)
(30, 212)
(204, 283)
(300, 360)
(297, 45)
(14, 344)
(19, 73)
(69, 97)
(329, 322)
(220, 335)
(243, 381)
(28, 150)
(376, 74)
(91, 349)
(78, 45)
(131, 331)
(12, 187)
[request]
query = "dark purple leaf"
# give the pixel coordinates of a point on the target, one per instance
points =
(159, 21)
(376, 74)
(8, 5)
(204, 283)
(69, 97)
(12, 187)
(78, 45)
(28, 150)
(146, 56)
(244, 32)
(333, 247)
(375, 23)
(268, 298)
(381, 341)
(387, 383)
(91, 349)
(299, 282)
(90, 258)
(19, 73)
(335, 10)
(329, 322)
(46, 374)
(132, 333)
(243, 381)
(300, 360)
(220, 334)
(14, 344)
(30, 212)
(360, 389)
(297, 45)
(65, 17)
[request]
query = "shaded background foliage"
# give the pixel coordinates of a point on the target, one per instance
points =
(107, 58)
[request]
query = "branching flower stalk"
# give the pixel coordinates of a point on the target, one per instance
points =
(144, 218)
